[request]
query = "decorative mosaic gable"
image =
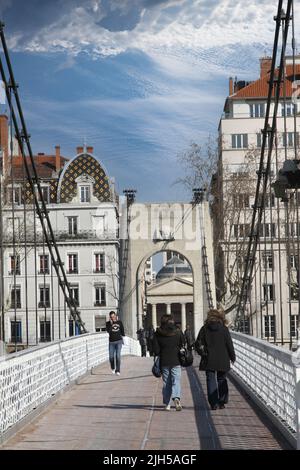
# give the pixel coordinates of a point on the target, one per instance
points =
(88, 165)
(52, 191)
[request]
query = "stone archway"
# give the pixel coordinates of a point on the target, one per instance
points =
(159, 227)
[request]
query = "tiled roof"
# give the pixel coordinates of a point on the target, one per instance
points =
(45, 166)
(260, 88)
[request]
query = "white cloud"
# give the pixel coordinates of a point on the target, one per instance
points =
(171, 26)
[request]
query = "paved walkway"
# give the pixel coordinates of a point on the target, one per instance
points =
(109, 412)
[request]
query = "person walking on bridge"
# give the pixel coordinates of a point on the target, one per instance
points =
(141, 336)
(115, 329)
(166, 344)
(215, 346)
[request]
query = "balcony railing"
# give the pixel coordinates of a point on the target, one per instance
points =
(63, 235)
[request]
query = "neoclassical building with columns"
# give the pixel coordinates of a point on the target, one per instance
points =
(171, 293)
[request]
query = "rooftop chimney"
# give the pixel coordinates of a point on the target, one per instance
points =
(79, 150)
(90, 149)
(265, 66)
(4, 142)
(230, 86)
(57, 158)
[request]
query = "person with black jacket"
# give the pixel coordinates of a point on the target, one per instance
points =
(216, 342)
(166, 344)
(141, 335)
(115, 329)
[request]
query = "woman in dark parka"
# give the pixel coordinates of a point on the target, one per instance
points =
(216, 339)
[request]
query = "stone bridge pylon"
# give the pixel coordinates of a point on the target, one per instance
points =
(147, 229)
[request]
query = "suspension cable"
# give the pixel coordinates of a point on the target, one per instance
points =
(264, 171)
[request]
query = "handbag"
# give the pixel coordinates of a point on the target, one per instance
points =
(156, 370)
(185, 357)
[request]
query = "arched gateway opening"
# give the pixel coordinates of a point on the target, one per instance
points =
(167, 287)
(155, 228)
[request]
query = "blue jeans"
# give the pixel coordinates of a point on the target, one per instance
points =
(115, 355)
(171, 383)
(217, 387)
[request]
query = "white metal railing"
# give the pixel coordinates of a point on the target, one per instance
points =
(272, 373)
(29, 378)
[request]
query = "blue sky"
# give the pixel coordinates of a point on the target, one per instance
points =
(138, 79)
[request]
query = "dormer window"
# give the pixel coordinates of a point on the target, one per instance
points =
(85, 188)
(85, 193)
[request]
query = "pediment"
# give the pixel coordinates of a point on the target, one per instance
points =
(174, 286)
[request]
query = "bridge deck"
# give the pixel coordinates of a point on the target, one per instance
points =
(126, 412)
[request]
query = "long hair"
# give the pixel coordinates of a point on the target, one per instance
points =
(214, 315)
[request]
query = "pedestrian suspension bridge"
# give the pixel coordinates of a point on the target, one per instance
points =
(62, 395)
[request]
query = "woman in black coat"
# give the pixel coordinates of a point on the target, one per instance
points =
(167, 341)
(215, 339)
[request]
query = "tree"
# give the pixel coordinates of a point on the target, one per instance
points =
(199, 163)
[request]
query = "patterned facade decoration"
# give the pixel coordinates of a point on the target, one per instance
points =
(52, 191)
(80, 165)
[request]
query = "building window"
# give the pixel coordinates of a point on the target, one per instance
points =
(269, 326)
(44, 264)
(72, 225)
(293, 261)
(259, 140)
(71, 328)
(241, 201)
(44, 297)
(257, 110)
(45, 330)
(288, 139)
(241, 230)
(289, 109)
(100, 295)
(100, 323)
(73, 264)
(45, 194)
(15, 267)
(245, 326)
(16, 331)
(268, 292)
(74, 291)
(268, 260)
(239, 141)
(99, 263)
(267, 230)
(293, 325)
(292, 229)
(85, 194)
(294, 294)
(15, 195)
(16, 297)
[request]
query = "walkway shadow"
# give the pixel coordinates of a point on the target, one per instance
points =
(117, 378)
(122, 406)
(208, 436)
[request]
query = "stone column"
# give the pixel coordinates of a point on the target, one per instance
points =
(183, 316)
(169, 309)
(154, 316)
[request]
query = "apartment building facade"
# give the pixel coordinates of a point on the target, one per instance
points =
(82, 207)
(273, 309)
